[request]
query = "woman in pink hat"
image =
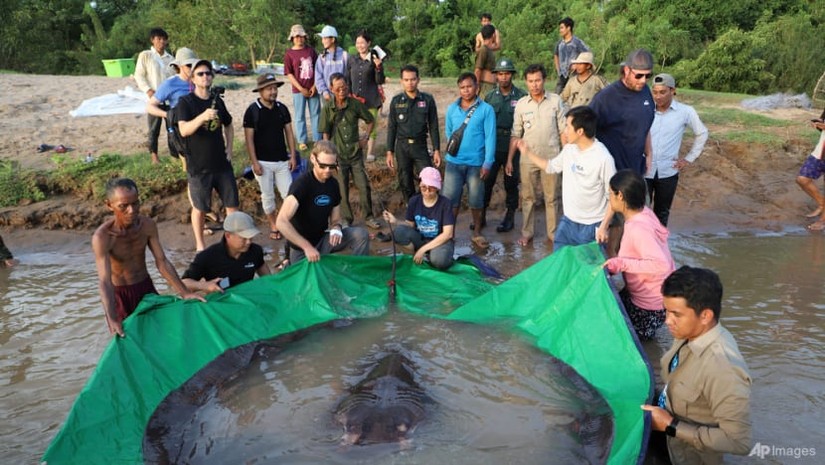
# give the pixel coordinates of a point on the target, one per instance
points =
(429, 223)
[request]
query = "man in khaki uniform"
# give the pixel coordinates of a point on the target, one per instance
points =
(539, 120)
(704, 409)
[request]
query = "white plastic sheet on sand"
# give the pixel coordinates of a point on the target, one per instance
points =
(125, 101)
(775, 101)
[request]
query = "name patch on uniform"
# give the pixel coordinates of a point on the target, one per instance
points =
(422, 104)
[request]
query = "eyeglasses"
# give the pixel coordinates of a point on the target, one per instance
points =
(427, 188)
(642, 75)
(327, 166)
(204, 73)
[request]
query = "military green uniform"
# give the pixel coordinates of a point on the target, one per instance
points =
(504, 106)
(341, 126)
(409, 122)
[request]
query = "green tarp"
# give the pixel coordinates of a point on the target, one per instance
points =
(564, 302)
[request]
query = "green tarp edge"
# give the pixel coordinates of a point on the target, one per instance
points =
(566, 303)
(169, 340)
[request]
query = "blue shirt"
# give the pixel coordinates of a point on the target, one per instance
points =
(478, 146)
(625, 117)
(666, 138)
(171, 90)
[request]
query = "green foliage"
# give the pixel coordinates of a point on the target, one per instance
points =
(88, 180)
(731, 63)
(761, 45)
(18, 185)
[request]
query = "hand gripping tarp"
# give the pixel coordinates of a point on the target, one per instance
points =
(564, 302)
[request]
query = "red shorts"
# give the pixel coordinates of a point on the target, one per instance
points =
(128, 297)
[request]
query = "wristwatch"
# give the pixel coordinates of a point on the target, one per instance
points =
(670, 430)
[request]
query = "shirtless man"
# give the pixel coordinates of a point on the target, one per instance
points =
(120, 246)
(495, 45)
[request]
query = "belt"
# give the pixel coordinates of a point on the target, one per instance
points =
(416, 141)
(503, 131)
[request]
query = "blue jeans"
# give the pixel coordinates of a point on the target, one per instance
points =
(299, 102)
(572, 233)
(441, 257)
(455, 176)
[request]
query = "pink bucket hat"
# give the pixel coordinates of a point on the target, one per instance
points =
(430, 177)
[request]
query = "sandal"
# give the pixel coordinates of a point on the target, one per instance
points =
(275, 235)
(211, 216)
(480, 241)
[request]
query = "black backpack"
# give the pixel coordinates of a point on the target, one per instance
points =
(176, 141)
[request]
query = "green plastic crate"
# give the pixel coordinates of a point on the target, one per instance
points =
(119, 67)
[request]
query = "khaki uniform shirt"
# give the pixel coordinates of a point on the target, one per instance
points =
(709, 393)
(540, 123)
(577, 93)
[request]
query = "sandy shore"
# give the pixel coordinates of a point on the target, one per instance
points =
(731, 187)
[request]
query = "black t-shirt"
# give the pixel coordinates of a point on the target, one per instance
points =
(430, 221)
(270, 144)
(206, 151)
(316, 200)
(214, 262)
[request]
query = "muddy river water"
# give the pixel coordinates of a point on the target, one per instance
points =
(52, 334)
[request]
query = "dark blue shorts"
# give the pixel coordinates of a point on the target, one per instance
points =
(812, 168)
(201, 185)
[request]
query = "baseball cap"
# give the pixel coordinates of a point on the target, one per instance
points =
(329, 31)
(664, 80)
(430, 177)
(241, 224)
(639, 59)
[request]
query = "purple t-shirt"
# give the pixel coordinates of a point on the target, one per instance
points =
(301, 64)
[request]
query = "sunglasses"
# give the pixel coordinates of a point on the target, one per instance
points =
(204, 73)
(327, 166)
(642, 75)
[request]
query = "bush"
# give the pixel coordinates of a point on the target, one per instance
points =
(730, 64)
(18, 185)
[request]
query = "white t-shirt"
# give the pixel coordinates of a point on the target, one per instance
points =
(585, 181)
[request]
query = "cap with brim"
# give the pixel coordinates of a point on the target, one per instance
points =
(266, 80)
(639, 59)
(297, 31)
(183, 56)
(430, 176)
(664, 80)
(241, 224)
(197, 62)
(584, 58)
(328, 31)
